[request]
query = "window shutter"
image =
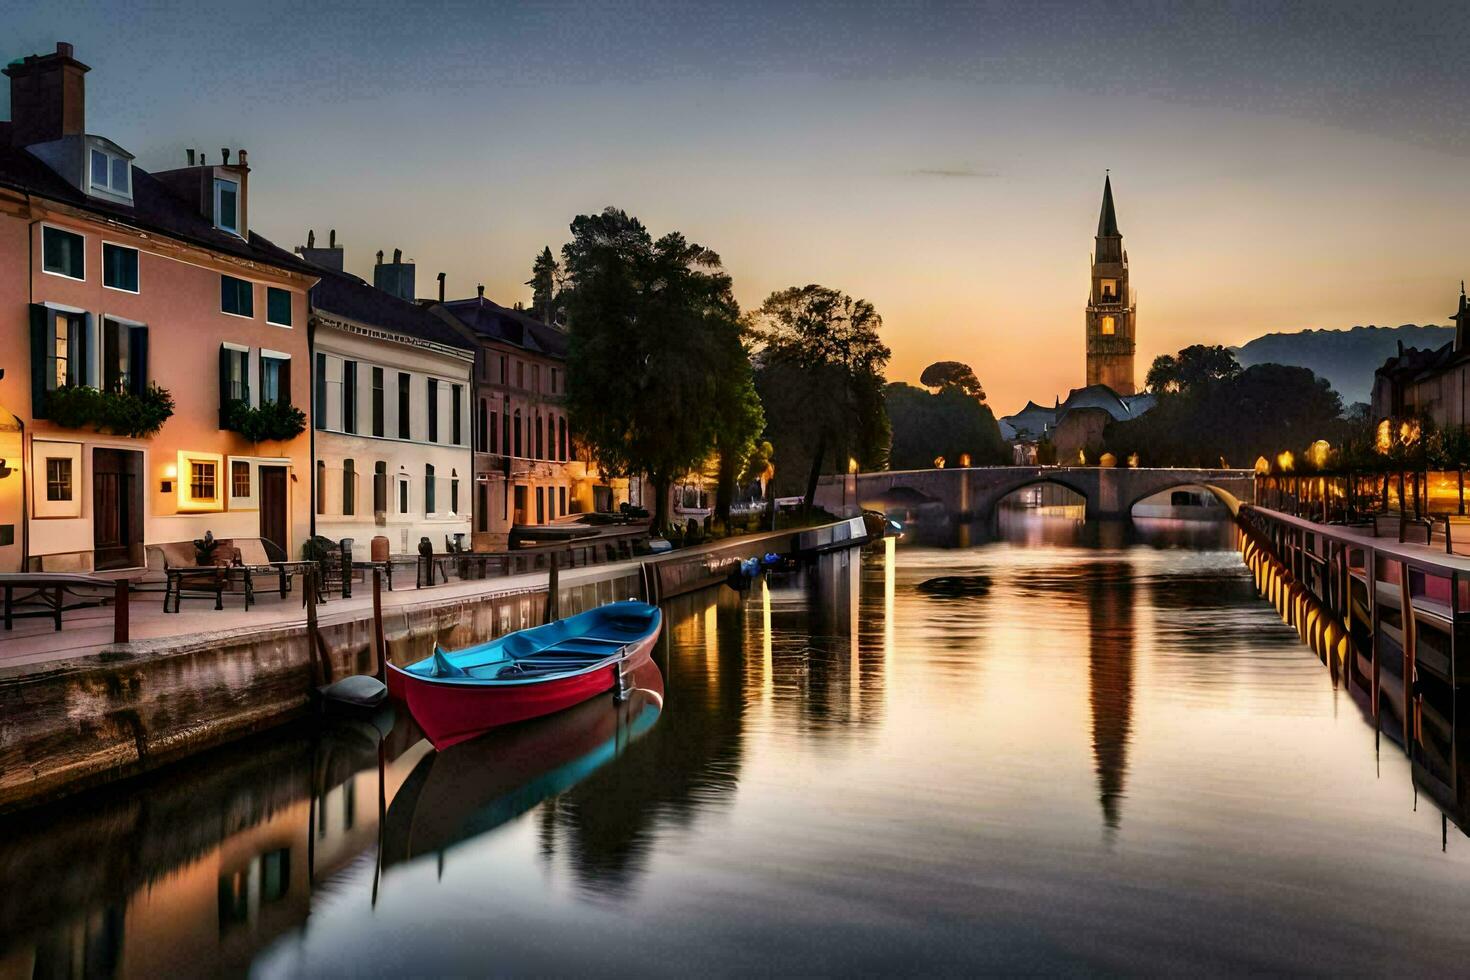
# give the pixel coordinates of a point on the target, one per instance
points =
(138, 360)
(40, 320)
(224, 385)
(112, 333)
(76, 355)
(285, 383)
(319, 399)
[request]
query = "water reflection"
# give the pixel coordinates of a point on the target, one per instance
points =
(1114, 757)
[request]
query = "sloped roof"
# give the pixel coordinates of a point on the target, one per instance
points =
(515, 327)
(1107, 219)
(155, 208)
(350, 297)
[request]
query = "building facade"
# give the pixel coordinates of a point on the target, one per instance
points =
(122, 289)
(526, 468)
(1433, 384)
(1111, 314)
(391, 389)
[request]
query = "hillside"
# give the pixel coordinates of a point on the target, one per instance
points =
(1346, 358)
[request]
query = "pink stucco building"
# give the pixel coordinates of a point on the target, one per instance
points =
(117, 279)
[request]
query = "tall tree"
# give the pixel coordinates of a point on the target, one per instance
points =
(739, 420)
(655, 350)
(1194, 365)
(952, 374)
(949, 422)
(820, 376)
(546, 287)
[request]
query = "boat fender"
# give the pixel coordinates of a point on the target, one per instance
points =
(443, 668)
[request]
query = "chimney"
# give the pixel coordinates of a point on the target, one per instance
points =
(441, 287)
(243, 159)
(48, 97)
(323, 258)
(380, 257)
(190, 155)
(481, 290)
(224, 154)
(396, 277)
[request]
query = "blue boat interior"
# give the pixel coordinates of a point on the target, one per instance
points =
(563, 647)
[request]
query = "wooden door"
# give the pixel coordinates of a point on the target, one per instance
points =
(117, 509)
(274, 510)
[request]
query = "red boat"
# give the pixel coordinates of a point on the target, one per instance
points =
(535, 672)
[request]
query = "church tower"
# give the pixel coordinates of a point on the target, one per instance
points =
(1110, 309)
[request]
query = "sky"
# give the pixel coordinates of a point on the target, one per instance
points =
(1276, 166)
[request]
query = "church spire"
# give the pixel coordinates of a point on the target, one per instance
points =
(1107, 219)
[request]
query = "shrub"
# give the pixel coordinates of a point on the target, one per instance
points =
(118, 412)
(271, 422)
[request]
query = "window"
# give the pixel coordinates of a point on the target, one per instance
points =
(275, 380)
(494, 432)
(504, 368)
(111, 172)
(561, 507)
(321, 486)
(540, 452)
(377, 401)
(349, 488)
(319, 395)
(234, 378)
(60, 357)
(201, 479)
(227, 205)
(482, 428)
(60, 465)
(536, 377)
(239, 478)
(433, 410)
(236, 296)
(428, 488)
(61, 253)
(540, 505)
(561, 438)
(1109, 326)
(505, 425)
(403, 495)
(58, 478)
(277, 306)
(1108, 288)
(119, 267)
(349, 396)
(553, 381)
(124, 356)
(518, 433)
(453, 493)
(403, 402)
(380, 488)
(520, 374)
(456, 414)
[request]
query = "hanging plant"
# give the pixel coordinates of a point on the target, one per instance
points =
(120, 413)
(271, 422)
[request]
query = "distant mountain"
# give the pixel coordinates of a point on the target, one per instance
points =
(1346, 358)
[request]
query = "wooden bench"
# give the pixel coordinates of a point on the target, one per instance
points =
(186, 578)
(254, 556)
(49, 590)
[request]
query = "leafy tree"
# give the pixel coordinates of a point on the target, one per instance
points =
(1192, 366)
(1261, 411)
(655, 352)
(949, 423)
(820, 377)
(546, 284)
(946, 374)
(738, 422)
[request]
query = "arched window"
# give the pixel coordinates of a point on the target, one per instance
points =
(1109, 326)
(380, 489)
(428, 489)
(349, 488)
(518, 433)
(321, 486)
(540, 443)
(561, 438)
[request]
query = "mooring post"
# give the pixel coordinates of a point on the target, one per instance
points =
(311, 629)
(120, 611)
(380, 641)
(553, 589)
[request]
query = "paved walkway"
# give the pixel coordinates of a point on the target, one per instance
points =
(89, 631)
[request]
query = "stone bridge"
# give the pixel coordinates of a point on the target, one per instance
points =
(972, 493)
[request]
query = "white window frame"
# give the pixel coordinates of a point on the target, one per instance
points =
(259, 368)
(187, 502)
(250, 501)
(111, 159)
(218, 180)
(118, 289)
(290, 298)
(69, 231)
(41, 451)
(399, 480)
(240, 316)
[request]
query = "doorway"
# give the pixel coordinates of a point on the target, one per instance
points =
(117, 509)
(274, 507)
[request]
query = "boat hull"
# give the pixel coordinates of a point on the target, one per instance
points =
(451, 713)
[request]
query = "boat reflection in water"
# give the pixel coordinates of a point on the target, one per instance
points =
(474, 787)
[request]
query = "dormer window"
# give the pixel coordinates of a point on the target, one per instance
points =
(111, 172)
(227, 205)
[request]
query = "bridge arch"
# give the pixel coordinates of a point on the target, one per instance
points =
(1226, 498)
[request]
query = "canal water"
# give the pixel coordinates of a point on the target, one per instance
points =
(1078, 747)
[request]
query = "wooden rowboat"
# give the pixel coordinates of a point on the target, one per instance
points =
(528, 674)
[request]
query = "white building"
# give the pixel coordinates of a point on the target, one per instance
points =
(391, 420)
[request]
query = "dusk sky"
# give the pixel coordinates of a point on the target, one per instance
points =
(1275, 166)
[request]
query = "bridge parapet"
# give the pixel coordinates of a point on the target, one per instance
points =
(972, 493)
